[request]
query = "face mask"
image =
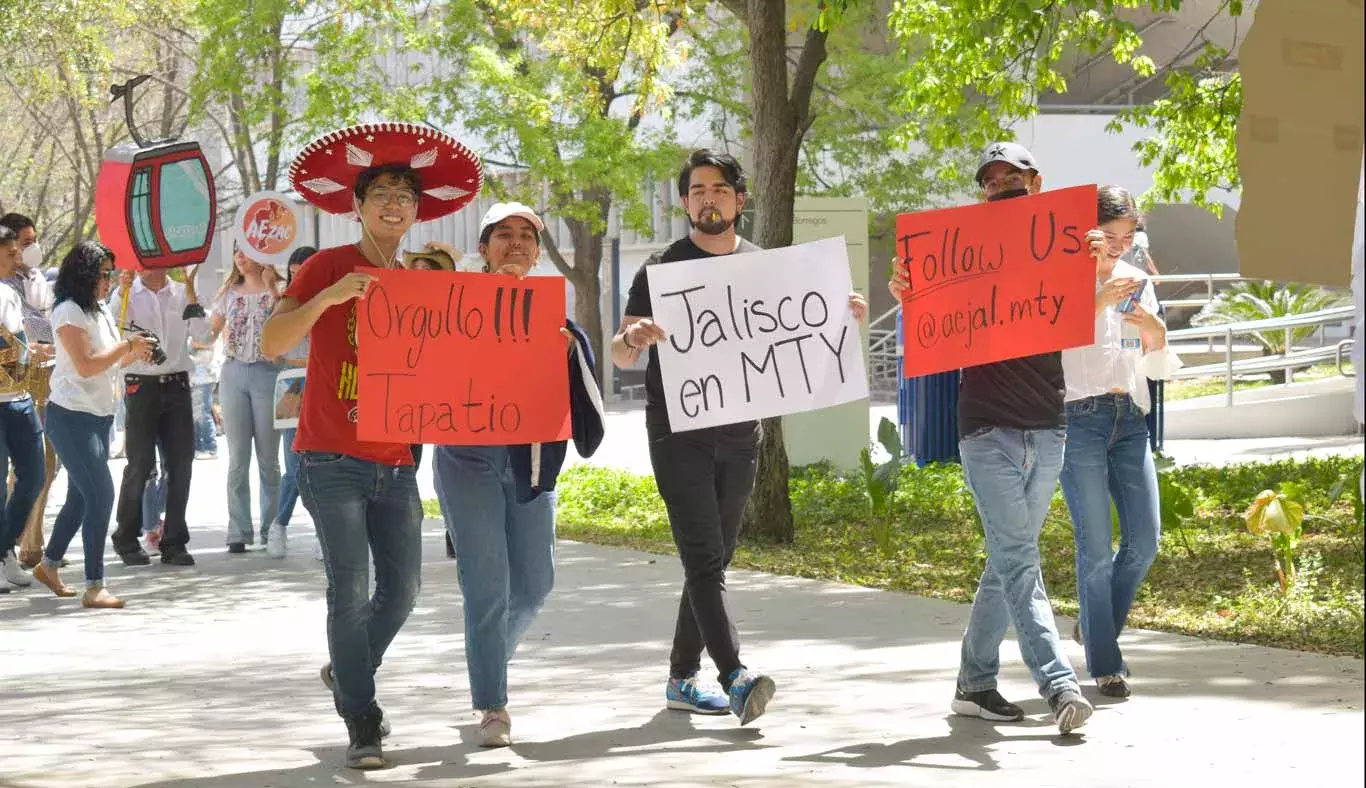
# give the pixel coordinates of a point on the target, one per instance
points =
(1008, 194)
(33, 256)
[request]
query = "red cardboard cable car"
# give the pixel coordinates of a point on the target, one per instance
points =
(155, 205)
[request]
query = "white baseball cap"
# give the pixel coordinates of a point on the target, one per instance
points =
(506, 210)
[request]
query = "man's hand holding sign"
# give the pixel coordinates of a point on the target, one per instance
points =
(995, 281)
(462, 359)
(755, 335)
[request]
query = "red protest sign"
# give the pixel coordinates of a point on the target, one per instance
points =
(996, 281)
(462, 359)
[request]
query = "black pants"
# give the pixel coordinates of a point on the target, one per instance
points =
(159, 410)
(705, 477)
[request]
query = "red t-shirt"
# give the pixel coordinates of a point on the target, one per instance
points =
(327, 419)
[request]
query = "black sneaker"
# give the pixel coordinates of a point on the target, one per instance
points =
(237, 548)
(135, 557)
(364, 751)
(326, 675)
(1070, 710)
(987, 704)
(177, 558)
(1113, 686)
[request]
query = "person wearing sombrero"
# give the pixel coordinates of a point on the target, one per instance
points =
(362, 496)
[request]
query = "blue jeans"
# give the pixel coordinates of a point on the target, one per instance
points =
(289, 483)
(81, 441)
(1012, 474)
(205, 435)
(360, 508)
(505, 553)
(21, 442)
(247, 392)
(1109, 458)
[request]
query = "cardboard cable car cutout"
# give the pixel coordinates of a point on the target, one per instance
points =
(155, 205)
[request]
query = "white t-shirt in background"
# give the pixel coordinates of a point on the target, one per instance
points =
(12, 319)
(98, 394)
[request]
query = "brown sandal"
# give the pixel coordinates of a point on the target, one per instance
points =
(49, 578)
(100, 598)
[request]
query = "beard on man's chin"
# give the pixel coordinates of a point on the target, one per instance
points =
(712, 223)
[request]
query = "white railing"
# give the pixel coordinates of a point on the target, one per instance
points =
(1210, 281)
(1287, 361)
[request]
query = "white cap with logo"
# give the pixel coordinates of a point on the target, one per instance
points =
(506, 210)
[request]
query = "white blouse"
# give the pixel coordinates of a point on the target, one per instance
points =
(97, 394)
(1106, 366)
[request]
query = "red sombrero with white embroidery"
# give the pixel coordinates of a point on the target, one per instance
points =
(325, 171)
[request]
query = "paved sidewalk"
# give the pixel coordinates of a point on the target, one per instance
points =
(209, 680)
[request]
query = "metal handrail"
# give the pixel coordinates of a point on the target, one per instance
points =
(1323, 317)
(1287, 323)
(890, 313)
(1344, 347)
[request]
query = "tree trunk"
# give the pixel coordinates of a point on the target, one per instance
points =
(780, 121)
(585, 274)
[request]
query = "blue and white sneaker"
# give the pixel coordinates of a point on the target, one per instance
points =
(688, 695)
(750, 694)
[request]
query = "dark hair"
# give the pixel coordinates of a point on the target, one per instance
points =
(726, 163)
(1115, 202)
(15, 222)
(399, 170)
(7, 235)
(297, 257)
(78, 277)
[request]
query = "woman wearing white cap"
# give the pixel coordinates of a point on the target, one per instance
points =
(504, 524)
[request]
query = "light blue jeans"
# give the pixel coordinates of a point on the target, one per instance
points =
(361, 509)
(1012, 474)
(505, 553)
(289, 483)
(247, 394)
(1108, 457)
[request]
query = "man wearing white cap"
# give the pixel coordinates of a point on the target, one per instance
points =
(1011, 431)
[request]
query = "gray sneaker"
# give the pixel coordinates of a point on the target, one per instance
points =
(364, 750)
(326, 675)
(1070, 710)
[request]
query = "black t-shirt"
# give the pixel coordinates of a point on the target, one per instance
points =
(638, 305)
(1022, 393)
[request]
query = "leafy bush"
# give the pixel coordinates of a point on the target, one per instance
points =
(1212, 577)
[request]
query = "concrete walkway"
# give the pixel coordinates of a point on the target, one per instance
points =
(209, 680)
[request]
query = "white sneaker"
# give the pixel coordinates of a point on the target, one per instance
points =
(276, 542)
(12, 572)
(495, 729)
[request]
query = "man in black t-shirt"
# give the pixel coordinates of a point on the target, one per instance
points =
(704, 476)
(1011, 431)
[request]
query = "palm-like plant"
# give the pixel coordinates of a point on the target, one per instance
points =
(1245, 301)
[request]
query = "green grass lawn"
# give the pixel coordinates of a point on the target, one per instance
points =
(1212, 578)
(1204, 387)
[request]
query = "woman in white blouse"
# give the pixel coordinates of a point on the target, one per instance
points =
(246, 389)
(80, 413)
(1108, 457)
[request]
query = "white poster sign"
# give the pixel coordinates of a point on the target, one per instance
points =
(268, 227)
(757, 335)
